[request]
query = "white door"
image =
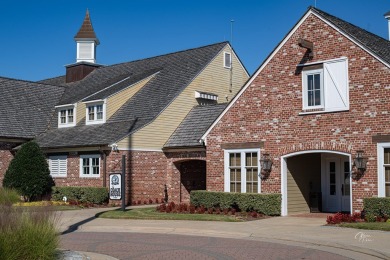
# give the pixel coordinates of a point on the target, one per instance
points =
(337, 185)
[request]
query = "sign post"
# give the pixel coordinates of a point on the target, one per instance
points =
(123, 182)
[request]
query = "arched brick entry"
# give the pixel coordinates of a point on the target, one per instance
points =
(192, 177)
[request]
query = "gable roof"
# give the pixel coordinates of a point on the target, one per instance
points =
(171, 75)
(376, 44)
(194, 125)
(26, 107)
(373, 44)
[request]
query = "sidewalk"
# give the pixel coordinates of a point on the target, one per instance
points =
(298, 231)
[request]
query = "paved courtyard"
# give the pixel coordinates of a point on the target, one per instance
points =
(273, 238)
(162, 246)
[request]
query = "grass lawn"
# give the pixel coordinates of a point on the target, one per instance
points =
(151, 213)
(385, 226)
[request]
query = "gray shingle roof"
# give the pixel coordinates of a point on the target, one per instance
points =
(196, 123)
(373, 42)
(26, 107)
(54, 81)
(171, 75)
(87, 135)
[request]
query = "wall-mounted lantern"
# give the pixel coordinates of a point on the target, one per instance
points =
(266, 165)
(360, 163)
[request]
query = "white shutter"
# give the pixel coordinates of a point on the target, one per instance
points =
(58, 165)
(336, 85)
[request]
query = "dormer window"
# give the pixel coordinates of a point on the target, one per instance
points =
(227, 60)
(66, 116)
(96, 113)
(205, 98)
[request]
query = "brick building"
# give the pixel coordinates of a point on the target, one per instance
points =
(132, 109)
(321, 96)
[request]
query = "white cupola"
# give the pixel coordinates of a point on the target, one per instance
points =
(86, 42)
(387, 16)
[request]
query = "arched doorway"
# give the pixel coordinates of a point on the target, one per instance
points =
(316, 180)
(192, 177)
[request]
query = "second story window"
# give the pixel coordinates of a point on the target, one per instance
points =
(313, 89)
(66, 117)
(227, 60)
(95, 114)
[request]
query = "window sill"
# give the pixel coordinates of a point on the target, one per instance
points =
(90, 177)
(59, 177)
(320, 111)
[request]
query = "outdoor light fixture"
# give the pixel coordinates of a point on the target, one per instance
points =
(266, 165)
(360, 162)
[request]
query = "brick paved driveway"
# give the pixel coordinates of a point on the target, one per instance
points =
(162, 246)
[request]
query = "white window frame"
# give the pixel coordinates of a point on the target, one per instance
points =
(94, 106)
(243, 168)
(224, 59)
(305, 90)
(381, 168)
(66, 109)
(90, 157)
(52, 159)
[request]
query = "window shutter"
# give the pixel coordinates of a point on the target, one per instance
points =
(336, 85)
(58, 165)
(85, 50)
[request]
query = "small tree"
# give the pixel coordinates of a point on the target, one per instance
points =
(29, 172)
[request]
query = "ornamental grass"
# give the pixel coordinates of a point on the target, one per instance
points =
(27, 233)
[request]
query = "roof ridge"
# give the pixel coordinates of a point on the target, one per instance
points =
(322, 13)
(30, 81)
(166, 54)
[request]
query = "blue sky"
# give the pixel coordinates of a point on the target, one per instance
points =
(37, 36)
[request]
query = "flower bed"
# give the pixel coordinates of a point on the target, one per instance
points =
(185, 208)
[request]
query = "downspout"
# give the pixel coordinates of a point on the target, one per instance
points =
(104, 166)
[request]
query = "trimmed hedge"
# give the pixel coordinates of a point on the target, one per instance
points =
(267, 204)
(95, 195)
(377, 206)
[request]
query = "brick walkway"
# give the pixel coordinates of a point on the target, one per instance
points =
(161, 246)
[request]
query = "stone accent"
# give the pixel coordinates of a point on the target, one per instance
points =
(6, 157)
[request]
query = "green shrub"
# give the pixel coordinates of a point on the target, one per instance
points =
(377, 206)
(96, 195)
(27, 234)
(268, 204)
(29, 172)
(8, 196)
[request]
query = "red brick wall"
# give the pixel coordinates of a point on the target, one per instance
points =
(269, 110)
(73, 174)
(5, 159)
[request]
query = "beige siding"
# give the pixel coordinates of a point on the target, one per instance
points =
(214, 78)
(80, 114)
(303, 177)
(116, 101)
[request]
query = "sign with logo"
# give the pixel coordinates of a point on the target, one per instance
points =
(115, 186)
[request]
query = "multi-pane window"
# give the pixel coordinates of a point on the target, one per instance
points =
(346, 185)
(242, 171)
(235, 172)
(99, 112)
(251, 165)
(227, 60)
(313, 89)
(332, 178)
(95, 114)
(91, 113)
(386, 167)
(66, 117)
(90, 165)
(58, 165)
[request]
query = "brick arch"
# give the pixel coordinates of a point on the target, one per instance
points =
(312, 146)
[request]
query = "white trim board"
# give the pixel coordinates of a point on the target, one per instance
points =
(271, 56)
